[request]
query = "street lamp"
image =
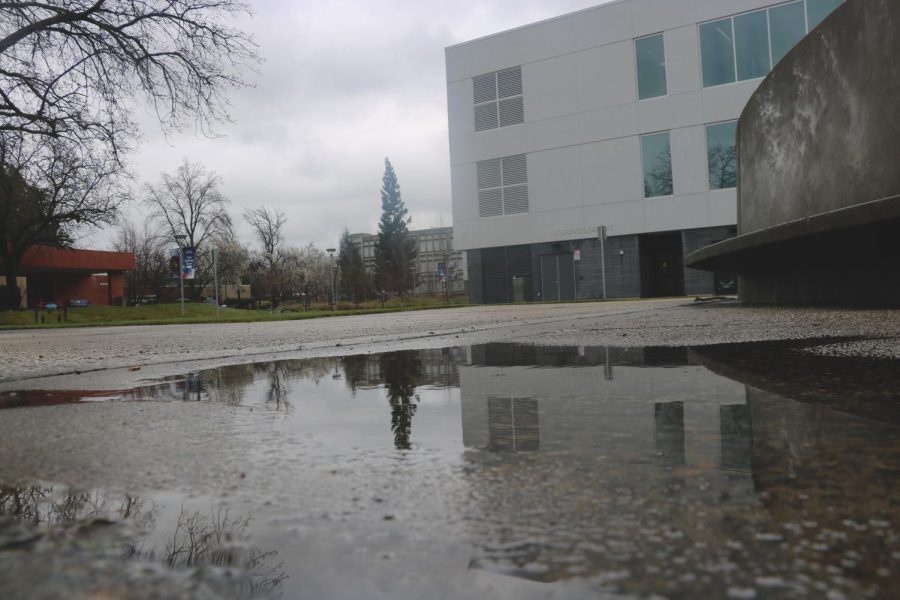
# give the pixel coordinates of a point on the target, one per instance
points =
(179, 239)
(330, 252)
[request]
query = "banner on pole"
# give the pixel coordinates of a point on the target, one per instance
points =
(189, 267)
(174, 262)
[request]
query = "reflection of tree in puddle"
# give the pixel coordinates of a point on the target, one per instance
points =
(402, 372)
(218, 540)
(355, 370)
(43, 506)
(197, 540)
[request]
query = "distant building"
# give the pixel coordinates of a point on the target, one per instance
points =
(61, 274)
(436, 260)
(620, 116)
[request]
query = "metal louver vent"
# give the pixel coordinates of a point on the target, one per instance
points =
(490, 203)
(489, 174)
(498, 99)
(486, 116)
(502, 186)
(512, 112)
(485, 88)
(509, 82)
(515, 199)
(515, 170)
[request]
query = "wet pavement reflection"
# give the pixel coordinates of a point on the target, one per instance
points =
(752, 470)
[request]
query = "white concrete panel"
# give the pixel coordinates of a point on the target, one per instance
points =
(708, 10)
(552, 133)
(606, 76)
(654, 115)
(499, 142)
(676, 212)
(555, 225)
(683, 60)
(624, 218)
(689, 169)
(653, 16)
(462, 147)
(466, 235)
(723, 207)
(527, 228)
(603, 25)
(548, 87)
(611, 171)
(530, 137)
(686, 109)
(726, 102)
(609, 123)
(460, 106)
(464, 186)
(512, 48)
(554, 179)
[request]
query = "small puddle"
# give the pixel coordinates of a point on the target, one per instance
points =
(766, 469)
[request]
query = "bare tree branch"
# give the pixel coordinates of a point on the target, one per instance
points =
(72, 69)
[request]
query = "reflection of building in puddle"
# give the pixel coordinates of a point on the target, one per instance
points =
(672, 479)
(513, 424)
(636, 404)
(585, 460)
(668, 421)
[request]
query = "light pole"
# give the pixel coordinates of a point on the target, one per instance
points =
(179, 239)
(330, 252)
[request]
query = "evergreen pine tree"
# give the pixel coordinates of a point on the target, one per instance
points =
(395, 250)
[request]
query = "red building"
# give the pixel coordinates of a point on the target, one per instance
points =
(61, 274)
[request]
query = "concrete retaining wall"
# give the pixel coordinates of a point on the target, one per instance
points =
(821, 132)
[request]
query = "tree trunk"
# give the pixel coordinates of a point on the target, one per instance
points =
(12, 298)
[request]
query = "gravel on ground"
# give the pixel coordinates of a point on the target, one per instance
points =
(31, 356)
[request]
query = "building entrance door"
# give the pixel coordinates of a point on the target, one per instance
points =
(662, 265)
(557, 277)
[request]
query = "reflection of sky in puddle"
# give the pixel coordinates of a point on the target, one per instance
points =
(634, 470)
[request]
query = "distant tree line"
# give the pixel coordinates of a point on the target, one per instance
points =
(71, 72)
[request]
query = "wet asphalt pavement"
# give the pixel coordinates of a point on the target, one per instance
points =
(550, 452)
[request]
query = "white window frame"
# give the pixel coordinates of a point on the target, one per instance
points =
(734, 41)
(637, 86)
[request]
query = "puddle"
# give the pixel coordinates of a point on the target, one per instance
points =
(765, 470)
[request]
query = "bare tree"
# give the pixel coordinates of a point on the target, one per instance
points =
(49, 190)
(72, 69)
(233, 258)
(151, 261)
(267, 224)
(190, 203)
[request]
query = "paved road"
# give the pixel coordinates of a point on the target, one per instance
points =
(29, 356)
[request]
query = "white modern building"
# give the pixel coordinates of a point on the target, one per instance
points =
(620, 117)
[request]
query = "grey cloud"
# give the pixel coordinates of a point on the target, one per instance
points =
(344, 84)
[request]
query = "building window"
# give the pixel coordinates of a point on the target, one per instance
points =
(787, 25)
(656, 155)
(650, 57)
(817, 10)
(498, 99)
(717, 52)
(746, 46)
(721, 155)
(502, 186)
(751, 44)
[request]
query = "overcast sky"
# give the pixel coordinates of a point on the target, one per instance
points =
(344, 84)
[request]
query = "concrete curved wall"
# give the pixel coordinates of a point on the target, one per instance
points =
(819, 169)
(821, 132)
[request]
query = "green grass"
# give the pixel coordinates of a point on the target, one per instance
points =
(161, 314)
